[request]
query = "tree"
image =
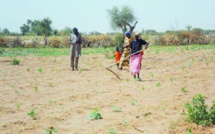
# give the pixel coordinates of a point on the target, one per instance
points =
(122, 19)
(46, 28)
(24, 29)
(5, 31)
(55, 32)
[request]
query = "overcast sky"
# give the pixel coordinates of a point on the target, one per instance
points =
(91, 15)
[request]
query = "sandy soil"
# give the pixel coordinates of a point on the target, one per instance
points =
(64, 99)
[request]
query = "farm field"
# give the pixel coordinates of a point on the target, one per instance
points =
(43, 94)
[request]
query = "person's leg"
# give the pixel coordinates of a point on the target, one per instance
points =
(138, 76)
(72, 62)
(76, 62)
(117, 65)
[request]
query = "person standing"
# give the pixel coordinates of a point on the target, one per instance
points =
(75, 48)
(135, 59)
(126, 50)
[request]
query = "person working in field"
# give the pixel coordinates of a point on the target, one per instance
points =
(75, 42)
(135, 59)
(126, 51)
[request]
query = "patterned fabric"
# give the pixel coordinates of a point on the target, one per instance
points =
(126, 52)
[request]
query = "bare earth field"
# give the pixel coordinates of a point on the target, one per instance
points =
(63, 99)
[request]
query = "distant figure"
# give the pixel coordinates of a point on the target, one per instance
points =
(135, 59)
(126, 51)
(117, 55)
(75, 42)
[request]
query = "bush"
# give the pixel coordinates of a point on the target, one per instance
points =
(198, 113)
(15, 61)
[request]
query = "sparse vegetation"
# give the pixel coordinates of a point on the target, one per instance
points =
(95, 115)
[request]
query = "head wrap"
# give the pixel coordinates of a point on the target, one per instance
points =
(127, 33)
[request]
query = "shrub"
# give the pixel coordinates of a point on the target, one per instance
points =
(15, 61)
(198, 113)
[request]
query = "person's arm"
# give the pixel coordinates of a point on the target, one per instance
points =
(145, 43)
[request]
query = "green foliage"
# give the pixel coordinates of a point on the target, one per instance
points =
(125, 122)
(116, 109)
(51, 130)
(118, 40)
(18, 105)
(15, 61)
(198, 112)
(183, 89)
(158, 84)
(95, 115)
(133, 102)
(36, 88)
(120, 19)
(111, 131)
(40, 70)
(32, 113)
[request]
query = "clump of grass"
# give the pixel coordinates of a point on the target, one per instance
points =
(15, 61)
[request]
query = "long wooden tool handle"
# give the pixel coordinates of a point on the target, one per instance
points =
(125, 58)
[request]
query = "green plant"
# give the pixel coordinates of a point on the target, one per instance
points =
(198, 112)
(190, 131)
(133, 102)
(36, 88)
(112, 131)
(116, 109)
(95, 115)
(15, 61)
(183, 89)
(40, 70)
(143, 88)
(151, 74)
(125, 122)
(158, 84)
(28, 69)
(32, 113)
(51, 130)
(18, 105)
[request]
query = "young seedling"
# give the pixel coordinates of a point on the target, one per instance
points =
(116, 109)
(158, 84)
(40, 70)
(51, 130)
(32, 113)
(143, 88)
(95, 115)
(151, 74)
(127, 79)
(125, 122)
(133, 102)
(36, 88)
(112, 131)
(15, 61)
(183, 89)
(28, 69)
(18, 105)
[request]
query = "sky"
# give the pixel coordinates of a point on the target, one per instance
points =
(91, 15)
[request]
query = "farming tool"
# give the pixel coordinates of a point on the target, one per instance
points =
(108, 68)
